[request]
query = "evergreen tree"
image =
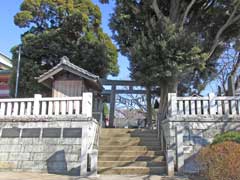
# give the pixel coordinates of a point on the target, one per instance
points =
(57, 28)
(172, 42)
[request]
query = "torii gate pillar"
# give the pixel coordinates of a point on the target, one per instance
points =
(112, 105)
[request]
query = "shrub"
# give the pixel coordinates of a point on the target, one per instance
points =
(227, 136)
(220, 161)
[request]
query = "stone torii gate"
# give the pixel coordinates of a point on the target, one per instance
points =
(111, 93)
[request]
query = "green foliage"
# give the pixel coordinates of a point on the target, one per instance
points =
(227, 136)
(168, 45)
(59, 28)
(220, 161)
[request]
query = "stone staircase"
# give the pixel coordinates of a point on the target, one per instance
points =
(130, 151)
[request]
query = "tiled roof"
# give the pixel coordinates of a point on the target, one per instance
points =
(66, 63)
(5, 61)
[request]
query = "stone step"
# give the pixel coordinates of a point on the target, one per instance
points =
(123, 138)
(127, 133)
(147, 135)
(131, 153)
(129, 148)
(130, 163)
(124, 133)
(132, 170)
(130, 142)
(127, 130)
(129, 158)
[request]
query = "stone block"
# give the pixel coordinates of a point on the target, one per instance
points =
(8, 165)
(70, 141)
(33, 148)
(76, 149)
(73, 157)
(51, 141)
(10, 148)
(29, 165)
(9, 141)
(4, 156)
(19, 156)
(37, 141)
(40, 156)
(50, 148)
(26, 141)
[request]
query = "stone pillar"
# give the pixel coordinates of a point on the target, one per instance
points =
(94, 161)
(170, 162)
(213, 106)
(87, 104)
(172, 98)
(84, 151)
(36, 104)
(179, 148)
(112, 106)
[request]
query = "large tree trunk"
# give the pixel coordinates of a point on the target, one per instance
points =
(166, 87)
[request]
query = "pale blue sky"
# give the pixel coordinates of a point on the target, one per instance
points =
(10, 34)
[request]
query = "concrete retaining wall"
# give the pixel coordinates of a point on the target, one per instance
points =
(39, 145)
(196, 132)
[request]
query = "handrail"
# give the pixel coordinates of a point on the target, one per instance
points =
(17, 100)
(61, 99)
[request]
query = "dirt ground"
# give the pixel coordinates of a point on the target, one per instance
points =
(40, 176)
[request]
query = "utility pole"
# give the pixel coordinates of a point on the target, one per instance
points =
(18, 68)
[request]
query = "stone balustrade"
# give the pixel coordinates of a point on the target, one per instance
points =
(53, 106)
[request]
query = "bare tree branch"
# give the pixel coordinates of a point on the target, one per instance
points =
(229, 22)
(229, 65)
(174, 9)
(236, 66)
(187, 12)
(156, 9)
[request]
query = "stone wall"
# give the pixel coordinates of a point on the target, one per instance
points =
(40, 145)
(196, 132)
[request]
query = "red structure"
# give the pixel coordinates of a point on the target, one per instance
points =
(5, 73)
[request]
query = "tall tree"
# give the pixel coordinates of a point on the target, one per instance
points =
(57, 28)
(169, 40)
